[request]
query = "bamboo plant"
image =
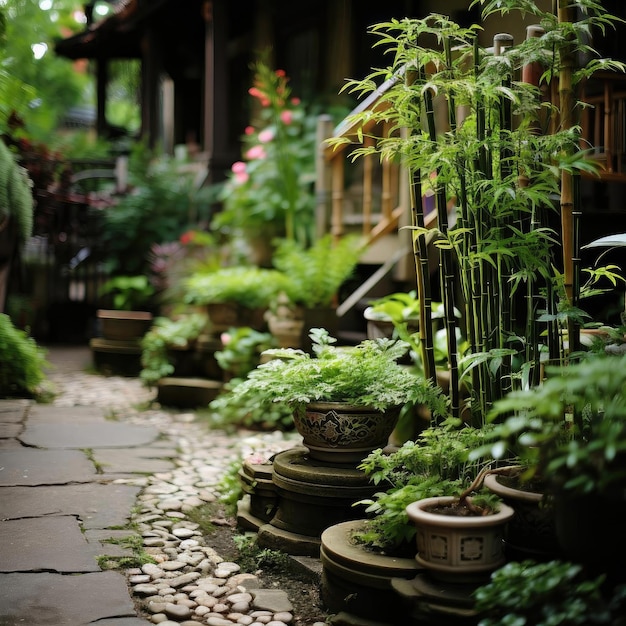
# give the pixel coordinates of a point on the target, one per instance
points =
(501, 167)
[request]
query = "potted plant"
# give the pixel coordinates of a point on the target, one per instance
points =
(313, 276)
(269, 193)
(241, 350)
(165, 346)
(128, 319)
(234, 296)
(384, 314)
(571, 431)
(345, 401)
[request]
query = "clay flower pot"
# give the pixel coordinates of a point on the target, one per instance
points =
(458, 548)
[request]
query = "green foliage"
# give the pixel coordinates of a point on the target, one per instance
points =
(165, 334)
(571, 429)
(555, 593)
(242, 350)
(315, 274)
(250, 410)
(40, 90)
(251, 287)
(163, 203)
(496, 170)
(252, 557)
(396, 307)
(230, 487)
(22, 361)
(130, 293)
(271, 191)
(364, 375)
(16, 198)
(436, 464)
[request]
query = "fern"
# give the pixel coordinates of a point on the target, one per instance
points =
(315, 274)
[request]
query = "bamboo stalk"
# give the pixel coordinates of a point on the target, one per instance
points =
(446, 272)
(566, 104)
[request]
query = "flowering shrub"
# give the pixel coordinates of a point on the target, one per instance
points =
(272, 185)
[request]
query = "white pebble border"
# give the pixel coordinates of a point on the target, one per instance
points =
(189, 584)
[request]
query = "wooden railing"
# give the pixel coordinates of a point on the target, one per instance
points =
(603, 124)
(365, 195)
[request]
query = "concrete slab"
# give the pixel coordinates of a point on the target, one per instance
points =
(12, 417)
(10, 431)
(26, 466)
(96, 505)
(63, 414)
(128, 461)
(86, 435)
(45, 544)
(19, 405)
(43, 599)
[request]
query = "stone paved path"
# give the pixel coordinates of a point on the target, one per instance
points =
(72, 476)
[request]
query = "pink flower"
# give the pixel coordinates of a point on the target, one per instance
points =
(249, 130)
(286, 117)
(256, 152)
(280, 73)
(224, 338)
(265, 136)
(238, 166)
(295, 101)
(241, 177)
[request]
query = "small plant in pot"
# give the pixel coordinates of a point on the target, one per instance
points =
(166, 342)
(131, 300)
(345, 400)
(234, 296)
(314, 276)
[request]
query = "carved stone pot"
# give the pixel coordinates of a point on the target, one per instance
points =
(339, 432)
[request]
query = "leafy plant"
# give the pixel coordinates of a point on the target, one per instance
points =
(270, 192)
(436, 464)
(129, 293)
(164, 335)
(16, 197)
(571, 430)
(251, 287)
(242, 350)
(22, 361)
(315, 274)
(396, 307)
(528, 593)
(501, 177)
(162, 204)
(365, 375)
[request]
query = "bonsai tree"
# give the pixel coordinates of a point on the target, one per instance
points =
(501, 162)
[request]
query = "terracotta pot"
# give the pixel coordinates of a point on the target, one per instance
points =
(531, 533)
(458, 548)
(124, 325)
(343, 433)
(287, 332)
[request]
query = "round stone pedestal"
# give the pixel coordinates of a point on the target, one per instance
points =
(312, 495)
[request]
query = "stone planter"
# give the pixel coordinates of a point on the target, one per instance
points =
(531, 532)
(458, 548)
(358, 581)
(337, 432)
(124, 325)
